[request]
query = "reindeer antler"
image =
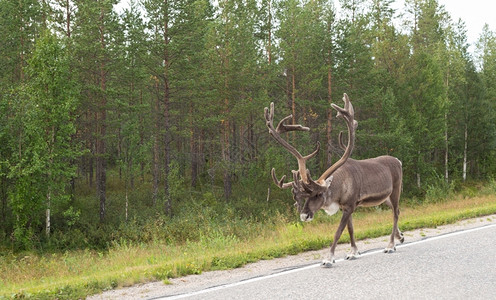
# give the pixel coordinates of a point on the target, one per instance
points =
(348, 114)
(307, 185)
(276, 134)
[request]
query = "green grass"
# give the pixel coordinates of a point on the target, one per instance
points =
(76, 274)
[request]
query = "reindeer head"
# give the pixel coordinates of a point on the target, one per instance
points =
(310, 195)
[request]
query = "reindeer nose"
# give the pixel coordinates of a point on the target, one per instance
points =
(306, 217)
(303, 217)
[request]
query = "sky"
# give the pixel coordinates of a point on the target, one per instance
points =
(475, 13)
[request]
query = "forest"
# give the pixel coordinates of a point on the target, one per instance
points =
(144, 121)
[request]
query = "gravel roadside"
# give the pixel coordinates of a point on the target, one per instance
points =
(266, 267)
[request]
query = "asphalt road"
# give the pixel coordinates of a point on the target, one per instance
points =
(460, 265)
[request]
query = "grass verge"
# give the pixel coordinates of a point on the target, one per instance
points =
(76, 274)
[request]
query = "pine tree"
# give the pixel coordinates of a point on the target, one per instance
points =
(133, 109)
(234, 65)
(486, 49)
(161, 17)
(190, 78)
(424, 91)
(96, 27)
(358, 75)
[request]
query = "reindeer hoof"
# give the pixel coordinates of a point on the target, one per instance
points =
(402, 239)
(352, 256)
(389, 250)
(326, 264)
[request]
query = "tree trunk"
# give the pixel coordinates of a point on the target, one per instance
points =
(269, 47)
(22, 50)
(47, 222)
(226, 146)
(329, 116)
(293, 100)
(446, 155)
(101, 179)
(130, 166)
(127, 199)
(3, 195)
(465, 144)
(50, 181)
(119, 145)
(156, 151)
(168, 200)
(200, 155)
(142, 139)
(91, 145)
(234, 153)
(194, 163)
(418, 168)
(225, 142)
(90, 168)
(193, 154)
(68, 18)
(101, 145)
(226, 128)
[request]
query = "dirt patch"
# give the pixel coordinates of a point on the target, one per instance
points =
(266, 267)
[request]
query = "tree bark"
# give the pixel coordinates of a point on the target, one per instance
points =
(194, 160)
(269, 47)
(142, 139)
(465, 146)
(225, 144)
(47, 213)
(293, 100)
(119, 145)
(193, 150)
(156, 151)
(101, 163)
(446, 154)
(102, 130)
(3, 195)
(418, 168)
(329, 117)
(22, 50)
(166, 58)
(226, 128)
(50, 179)
(68, 18)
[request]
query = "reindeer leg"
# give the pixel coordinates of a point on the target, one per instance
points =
(337, 235)
(399, 234)
(393, 203)
(354, 249)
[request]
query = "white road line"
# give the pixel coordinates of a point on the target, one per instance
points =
(225, 286)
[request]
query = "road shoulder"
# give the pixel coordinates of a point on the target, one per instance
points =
(210, 279)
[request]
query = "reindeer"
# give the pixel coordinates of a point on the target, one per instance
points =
(345, 185)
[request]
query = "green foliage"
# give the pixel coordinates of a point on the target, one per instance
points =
(40, 134)
(214, 251)
(176, 182)
(439, 190)
(171, 95)
(164, 103)
(27, 204)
